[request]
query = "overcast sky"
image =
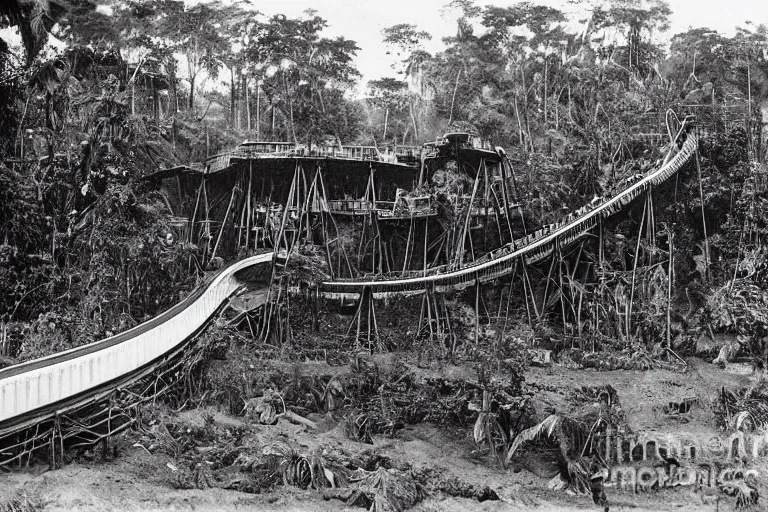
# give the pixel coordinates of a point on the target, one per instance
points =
(362, 21)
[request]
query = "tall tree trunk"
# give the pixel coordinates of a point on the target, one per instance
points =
(232, 97)
(191, 104)
(525, 109)
(290, 111)
(156, 99)
(247, 104)
(258, 111)
(173, 103)
(546, 77)
(453, 98)
(386, 118)
(520, 126)
(762, 135)
(413, 118)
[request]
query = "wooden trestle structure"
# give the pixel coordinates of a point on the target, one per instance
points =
(81, 396)
(247, 202)
(369, 230)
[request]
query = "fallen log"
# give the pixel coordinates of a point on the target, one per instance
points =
(299, 420)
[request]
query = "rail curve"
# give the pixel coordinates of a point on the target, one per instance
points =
(533, 248)
(44, 390)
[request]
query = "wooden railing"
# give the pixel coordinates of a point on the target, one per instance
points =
(255, 150)
(535, 247)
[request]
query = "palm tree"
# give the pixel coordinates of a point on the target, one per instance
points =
(34, 19)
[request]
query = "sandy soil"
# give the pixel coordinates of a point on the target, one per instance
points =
(139, 481)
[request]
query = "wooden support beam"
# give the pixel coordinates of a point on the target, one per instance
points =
(562, 289)
(529, 291)
(248, 206)
(477, 311)
(546, 286)
(460, 246)
(627, 320)
(224, 222)
(320, 191)
(497, 210)
(426, 231)
(408, 244)
(367, 309)
(670, 274)
(428, 298)
(207, 225)
(486, 200)
(703, 218)
(505, 194)
(342, 251)
(509, 297)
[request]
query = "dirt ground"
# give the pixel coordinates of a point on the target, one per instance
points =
(136, 480)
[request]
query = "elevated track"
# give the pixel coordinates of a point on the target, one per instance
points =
(81, 396)
(533, 248)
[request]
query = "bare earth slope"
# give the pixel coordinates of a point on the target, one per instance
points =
(139, 481)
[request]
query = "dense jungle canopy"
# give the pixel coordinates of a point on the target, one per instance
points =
(98, 95)
(130, 87)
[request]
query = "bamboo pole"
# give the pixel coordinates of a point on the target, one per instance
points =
(375, 220)
(529, 289)
(421, 315)
(497, 210)
(578, 259)
(240, 226)
(509, 298)
(448, 328)
(369, 308)
(429, 297)
(408, 244)
(191, 234)
(601, 248)
(248, 197)
(278, 239)
(360, 246)
(304, 211)
(627, 320)
(422, 168)
(703, 218)
(670, 238)
(562, 285)
(460, 248)
(206, 223)
(477, 311)
(322, 201)
(546, 286)
(486, 200)
(224, 222)
(363, 246)
(738, 254)
(526, 279)
(375, 323)
(442, 239)
(291, 193)
(526, 286)
(426, 231)
(357, 320)
(336, 228)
